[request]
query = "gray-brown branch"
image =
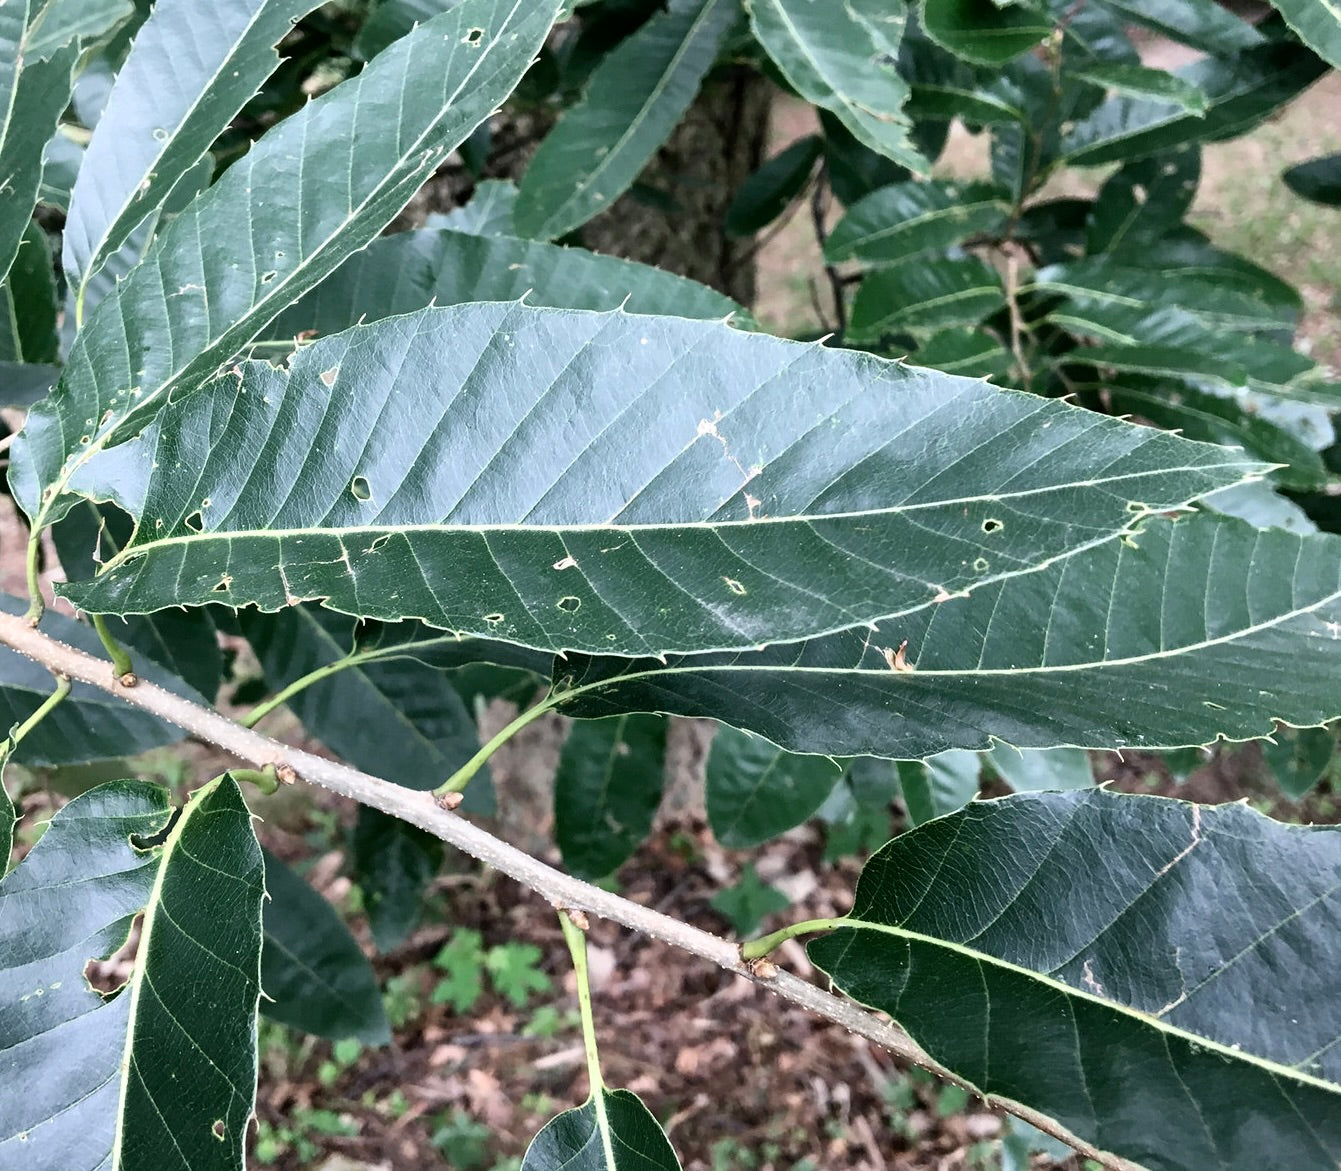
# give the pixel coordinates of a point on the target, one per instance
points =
(562, 890)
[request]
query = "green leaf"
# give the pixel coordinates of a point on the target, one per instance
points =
(938, 785)
(23, 385)
(462, 958)
(514, 973)
(905, 219)
(1257, 502)
(607, 790)
(158, 332)
(972, 352)
(984, 32)
(1025, 915)
(843, 58)
(600, 145)
(756, 791)
(749, 902)
(186, 642)
(159, 122)
(61, 160)
(1317, 23)
(1241, 92)
(1186, 630)
(393, 862)
(57, 24)
(1144, 199)
(90, 724)
(612, 1131)
(1317, 179)
(160, 1073)
(408, 271)
(1202, 24)
(392, 19)
(768, 192)
(1137, 81)
(388, 713)
(493, 527)
(314, 975)
(488, 212)
(1299, 758)
(28, 303)
(1221, 419)
(1034, 770)
(34, 95)
(944, 87)
(927, 296)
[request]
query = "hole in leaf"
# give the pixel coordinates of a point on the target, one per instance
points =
(218, 1130)
(569, 604)
(735, 587)
(1136, 506)
(267, 277)
(360, 487)
(107, 975)
(85, 440)
(992, 525)
(222, 585)
(494, 619)
(195, 522)
(378, 542)
(982, 565)
(473, 37)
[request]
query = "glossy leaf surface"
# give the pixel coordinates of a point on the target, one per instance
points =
(755, 791)
(765, 490)
(156, 1075)
(1116, 962)
(613, 1131)
(904, 219)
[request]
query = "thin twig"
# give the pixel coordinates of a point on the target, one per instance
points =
(561, 890)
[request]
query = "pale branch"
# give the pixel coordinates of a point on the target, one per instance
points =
(562, 890)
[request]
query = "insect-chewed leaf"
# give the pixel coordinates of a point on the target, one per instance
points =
(603, 482)
(157, 1074)
(319, 186)
(1185, 631)
(1116, 962)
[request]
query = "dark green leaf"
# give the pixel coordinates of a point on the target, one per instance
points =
(613, 1131)
(163, 1072)
(1186, 630)
(1241, 92)
(749, 902)
(1026, 914)
(766, 194)
(1144, 199)
(1033, 770)
(28, 303)
(1203, 24)
(925, 297)
(843, 58)
(61, 160)
(159, 331)
(972, 352)
(982, 31)
(852, 168)
(184, 641)
(632, 103)
(1318, 25)
(1137, 81)
(756, 791)
(314, 975)
(392, 19)
(938, 785)
(159, 121)
(607, 790)
(393, 862)
(90, 724)
(1318, 180)
(23, 385)
(489, 211)
(59, 23)
(1299, 758)
(502, 531)
(402, 273)
(905, 219)
(944, 87)
(387, 714)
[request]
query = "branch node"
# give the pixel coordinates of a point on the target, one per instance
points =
(449, 801)
(763, 968)
(128, 679)
(578, 918)
(286, 773)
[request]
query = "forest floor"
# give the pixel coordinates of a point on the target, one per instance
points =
(742, 1081)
